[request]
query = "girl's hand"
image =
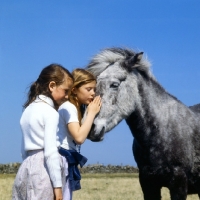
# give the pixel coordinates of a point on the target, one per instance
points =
(94, 106)
(58, 193)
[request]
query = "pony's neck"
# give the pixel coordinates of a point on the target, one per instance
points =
(143, 121)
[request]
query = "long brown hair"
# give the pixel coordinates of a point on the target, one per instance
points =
(53, 72)
(81, 77)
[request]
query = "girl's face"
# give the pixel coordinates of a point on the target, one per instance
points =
(85, 94)
(60, 92)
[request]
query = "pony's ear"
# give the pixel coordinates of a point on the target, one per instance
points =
(139, 56)
(133, 61)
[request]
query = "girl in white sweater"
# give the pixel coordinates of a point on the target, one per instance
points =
(40, 176)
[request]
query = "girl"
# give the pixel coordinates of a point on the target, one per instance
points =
(71, 133)
(40, 174)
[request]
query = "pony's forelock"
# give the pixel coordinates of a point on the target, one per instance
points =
(111, 55)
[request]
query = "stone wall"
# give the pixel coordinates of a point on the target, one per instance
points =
(96, 168)
(10, 168)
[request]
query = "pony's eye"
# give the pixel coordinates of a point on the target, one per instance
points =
(114, 85)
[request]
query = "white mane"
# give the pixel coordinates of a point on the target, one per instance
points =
(108, 56)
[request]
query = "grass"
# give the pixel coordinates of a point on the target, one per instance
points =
(97, 187)
(6, 182)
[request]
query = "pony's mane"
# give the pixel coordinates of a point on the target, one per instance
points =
(110, 55)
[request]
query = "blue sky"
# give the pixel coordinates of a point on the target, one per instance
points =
(34, 34)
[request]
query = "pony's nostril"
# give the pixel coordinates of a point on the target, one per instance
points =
(99, 137)
(96, 138)
(102, 132)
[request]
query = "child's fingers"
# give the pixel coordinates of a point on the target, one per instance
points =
(100, 104)
(96, 103)
(97, 100)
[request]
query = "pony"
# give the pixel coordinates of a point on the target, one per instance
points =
(166, 133)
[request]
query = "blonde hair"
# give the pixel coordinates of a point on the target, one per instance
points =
(81, 77)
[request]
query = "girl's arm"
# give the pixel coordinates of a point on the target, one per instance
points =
(23, 152)
(51, 154)
(79, 133)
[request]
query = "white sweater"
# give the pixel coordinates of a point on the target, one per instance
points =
(39, 124)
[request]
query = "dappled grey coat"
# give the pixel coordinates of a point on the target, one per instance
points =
(166, 132)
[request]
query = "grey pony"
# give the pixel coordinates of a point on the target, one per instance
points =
(166, 133)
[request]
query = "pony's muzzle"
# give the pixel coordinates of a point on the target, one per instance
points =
(94, 136)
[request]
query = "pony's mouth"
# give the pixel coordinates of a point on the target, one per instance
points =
(94, 137)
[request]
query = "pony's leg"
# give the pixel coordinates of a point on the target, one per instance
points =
(151, 189)
(178, 193)
(197, 189)
(178, 185)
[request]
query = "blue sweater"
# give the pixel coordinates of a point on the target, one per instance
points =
(73, 158)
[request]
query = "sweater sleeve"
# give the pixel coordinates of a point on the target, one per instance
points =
(51, 154)
(68, 112)
(23, 152)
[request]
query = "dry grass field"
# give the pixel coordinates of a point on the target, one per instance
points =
(97, 187)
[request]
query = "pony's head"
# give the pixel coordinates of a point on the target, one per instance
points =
(118, 72)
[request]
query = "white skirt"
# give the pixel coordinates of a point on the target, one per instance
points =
(32, 181)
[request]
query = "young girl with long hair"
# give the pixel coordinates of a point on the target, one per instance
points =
(72, 133)
(40, 176)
